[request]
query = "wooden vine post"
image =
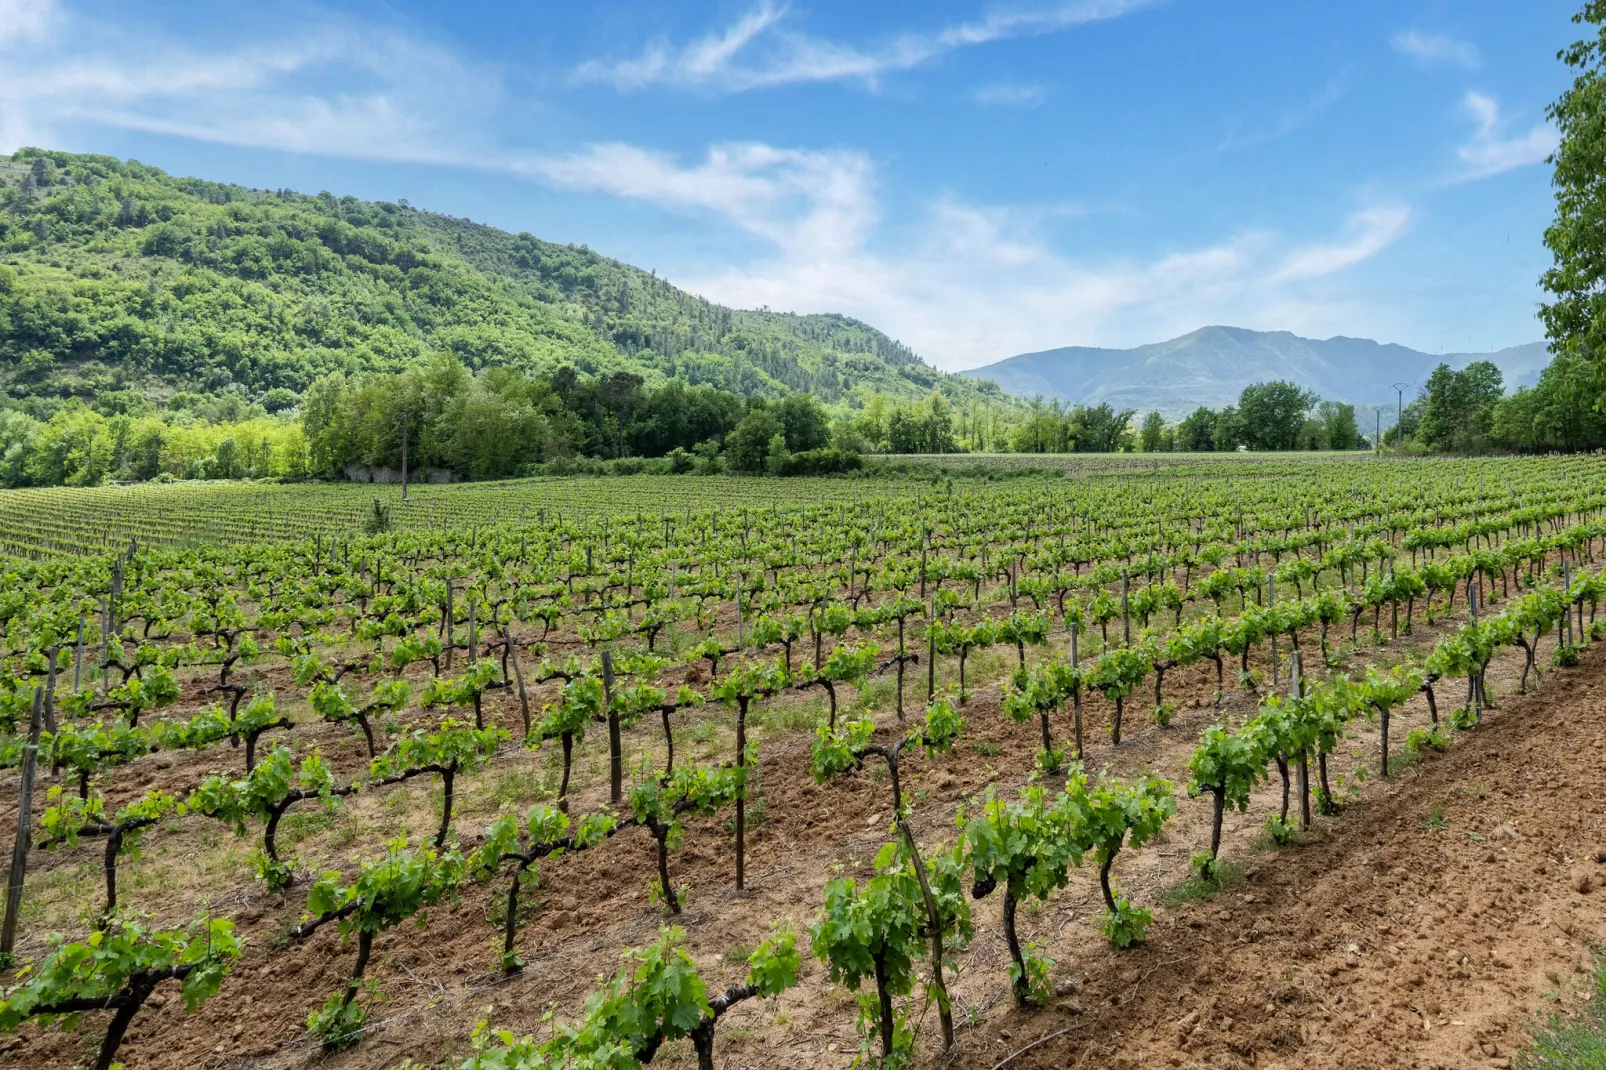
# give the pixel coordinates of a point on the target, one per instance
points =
(19, 845)
(616, 754)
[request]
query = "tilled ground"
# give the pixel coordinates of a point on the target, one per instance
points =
(1423, 926)
(1427, 926)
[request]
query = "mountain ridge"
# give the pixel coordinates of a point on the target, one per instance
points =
(118, 277)
(1211, 366)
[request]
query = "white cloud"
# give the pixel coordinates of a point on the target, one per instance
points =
(1010, 94)
(759, 50)
(811, 204)
(332, 87)
(964, 284)
(1435, 48)
(26, 20)
(1367, 233)
(1490, 151)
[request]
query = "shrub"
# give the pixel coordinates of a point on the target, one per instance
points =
(826, 460)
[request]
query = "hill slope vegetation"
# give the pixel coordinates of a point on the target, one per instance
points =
(115, 276)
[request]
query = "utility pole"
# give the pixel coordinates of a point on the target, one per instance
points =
(1399, 413)
(1377, 435)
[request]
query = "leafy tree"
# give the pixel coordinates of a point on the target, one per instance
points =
(1229, 432)
(1458, 407)
(1272, 415)
(804, 423)
(1153, 431)
(1338, 428)
(776, 456)
(1197, 431)
(1101, 428)
(1577, 280)
(1558, 413)
(748, 444)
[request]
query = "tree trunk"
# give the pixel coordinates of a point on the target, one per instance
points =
(510, 965)
(1104, 882)
(114, 843)
(660, 834)
(1022, 991)
(567, 739)
(884, 999)
(1327, 805)
(448, 775)
(1282, 768)
(138, 993)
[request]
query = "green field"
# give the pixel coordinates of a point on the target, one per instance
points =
(292, 717)
(76, 520)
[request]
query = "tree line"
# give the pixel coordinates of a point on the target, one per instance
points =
(1269, 416)
(1466, 411)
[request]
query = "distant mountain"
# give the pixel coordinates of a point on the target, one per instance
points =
(115, 276)
(1212, 365)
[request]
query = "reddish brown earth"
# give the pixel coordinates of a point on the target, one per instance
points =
(1388, 937)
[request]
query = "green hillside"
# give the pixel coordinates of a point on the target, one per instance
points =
(115, 276)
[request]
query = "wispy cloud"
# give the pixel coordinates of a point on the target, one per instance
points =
(761, 50)
(1491, 151)
(1010, 95)
(965, 284)
(330, 87)
(1366, 233)
(26, 20)
(1292, 119)
(1436, 48)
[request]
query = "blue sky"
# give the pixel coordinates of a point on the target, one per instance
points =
(975, 179)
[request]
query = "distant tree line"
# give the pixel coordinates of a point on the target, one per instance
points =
(1061, 428)
(1268, 416)
(1278, 415)
(503, 421)
(1467, 411)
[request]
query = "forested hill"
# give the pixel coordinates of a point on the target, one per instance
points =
(116, 276)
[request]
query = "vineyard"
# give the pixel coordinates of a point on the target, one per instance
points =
(617, 771)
